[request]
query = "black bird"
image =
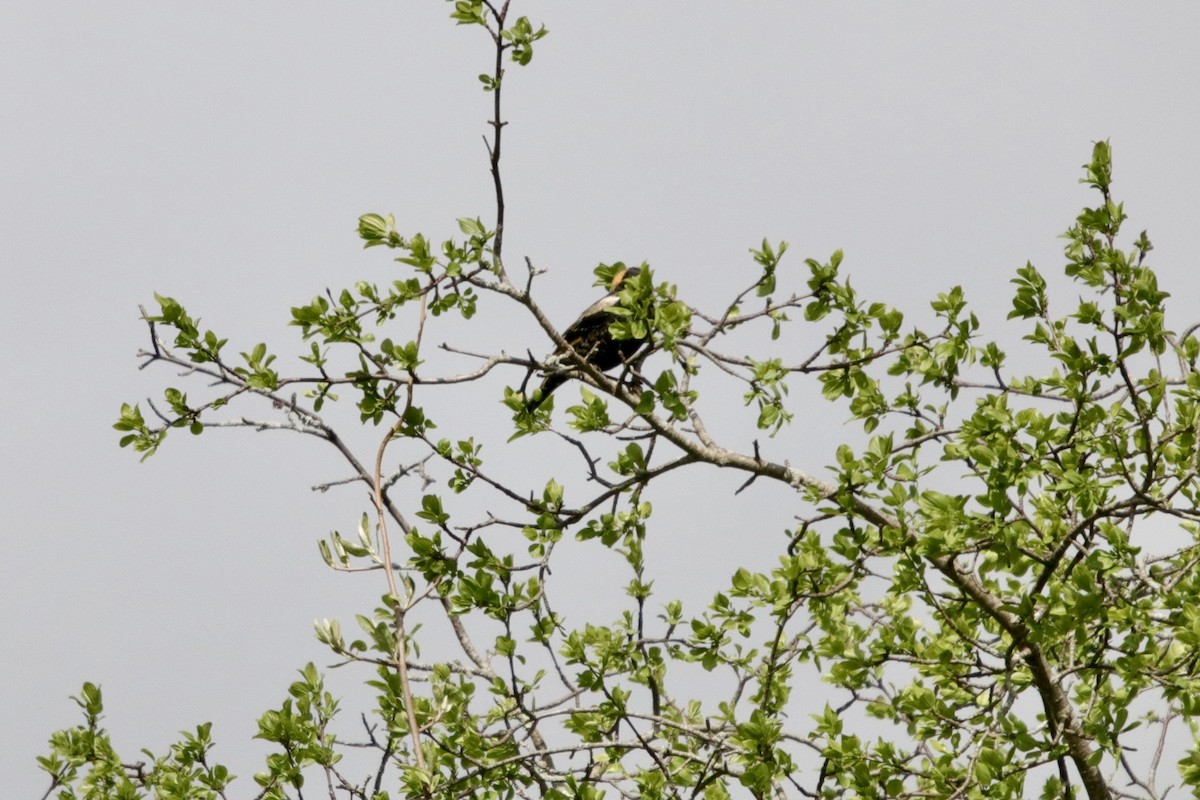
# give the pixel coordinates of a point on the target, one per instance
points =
(591, 340)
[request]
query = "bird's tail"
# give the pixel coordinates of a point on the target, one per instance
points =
(542, 393)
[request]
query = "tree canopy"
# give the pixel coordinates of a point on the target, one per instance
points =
(994, 584)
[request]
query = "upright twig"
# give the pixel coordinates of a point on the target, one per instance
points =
(497, 127)
(389, 569)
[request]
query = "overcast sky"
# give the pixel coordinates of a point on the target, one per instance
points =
(220, 152)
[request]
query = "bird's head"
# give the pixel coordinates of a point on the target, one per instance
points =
(619, 277)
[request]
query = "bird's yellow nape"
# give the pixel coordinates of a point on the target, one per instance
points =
(617, 279)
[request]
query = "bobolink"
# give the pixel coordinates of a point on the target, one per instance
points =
(591, 340)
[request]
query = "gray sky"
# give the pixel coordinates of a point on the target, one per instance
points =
(221, 153)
